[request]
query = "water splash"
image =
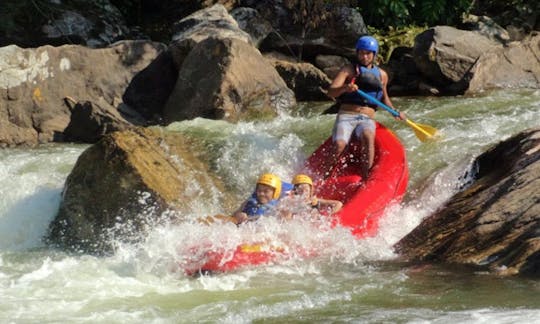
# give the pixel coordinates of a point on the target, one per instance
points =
(31, 191)
(142, 282)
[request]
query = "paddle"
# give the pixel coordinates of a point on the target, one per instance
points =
(423, 132)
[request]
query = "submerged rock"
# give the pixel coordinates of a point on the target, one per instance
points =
(125, 184)
(495, 222)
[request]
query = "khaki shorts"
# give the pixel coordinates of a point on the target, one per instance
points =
(347, 123)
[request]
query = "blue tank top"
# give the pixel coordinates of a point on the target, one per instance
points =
(367, 80)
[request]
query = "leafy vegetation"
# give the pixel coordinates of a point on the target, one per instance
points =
(13, 14)
(391, 38)
(19, 19)
(400, 13)
(519, 13)
(312, 13)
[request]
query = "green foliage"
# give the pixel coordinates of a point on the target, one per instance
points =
(521, 13)
(19, 20)
(400, 13)
(392, 38)
(431, 11)
(15, 15)
(310, 14)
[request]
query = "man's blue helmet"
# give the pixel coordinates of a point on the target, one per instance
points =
(367, 43)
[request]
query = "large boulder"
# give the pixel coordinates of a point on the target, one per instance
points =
(226, 79)
(404, 77)
(250, 21)
(514, 66)
(214, 21)
(35, 82)
(126, 183)
(494, 223)
(306, 81)
(445, 56)
(150, 89)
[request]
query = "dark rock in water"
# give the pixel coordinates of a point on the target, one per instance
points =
(495, 222)
(126, 183)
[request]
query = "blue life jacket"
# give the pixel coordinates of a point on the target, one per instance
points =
(367, 80)
(253, 208)
(285, 189)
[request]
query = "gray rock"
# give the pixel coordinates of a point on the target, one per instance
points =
(250, 21)
(91, 121)
(148, 91)
(34, 84)
(127, 183)
(214, 21)
(493, 223)
(487, 27)
(307, 82)
(226, 79)
(445, 55)
(514, 66)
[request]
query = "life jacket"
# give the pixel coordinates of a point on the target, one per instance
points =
(367, 80)
(253, 208)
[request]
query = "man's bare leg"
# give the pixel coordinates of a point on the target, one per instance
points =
(333, 158)
(367, 153)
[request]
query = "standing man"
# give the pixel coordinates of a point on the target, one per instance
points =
(355, 112)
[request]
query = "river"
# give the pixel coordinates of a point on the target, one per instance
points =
(351, 281)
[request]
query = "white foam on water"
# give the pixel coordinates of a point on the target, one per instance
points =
(32, 185)
(144, 283)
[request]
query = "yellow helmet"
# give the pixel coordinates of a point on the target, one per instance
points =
(273, 181)
(302, 178)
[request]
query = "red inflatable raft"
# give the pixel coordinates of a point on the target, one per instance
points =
(364, 201)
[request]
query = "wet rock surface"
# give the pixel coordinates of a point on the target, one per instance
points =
(494, 223)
